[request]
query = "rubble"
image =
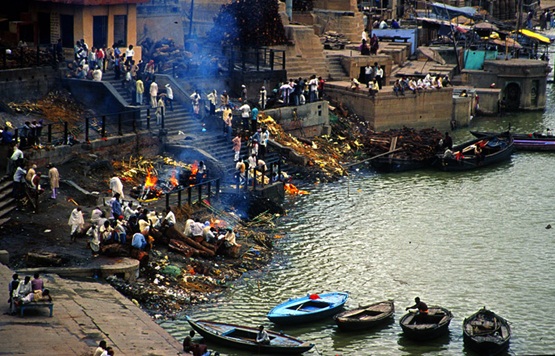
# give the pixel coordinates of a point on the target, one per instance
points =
(334, 40)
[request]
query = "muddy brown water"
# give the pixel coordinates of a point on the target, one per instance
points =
(459, 240)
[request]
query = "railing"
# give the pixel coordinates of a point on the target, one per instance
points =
(194, 193)
(91, 128)
(250, 182)
(255, 59)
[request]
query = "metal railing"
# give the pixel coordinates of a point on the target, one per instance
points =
(194, 193)
(255, 58)
(91, 128)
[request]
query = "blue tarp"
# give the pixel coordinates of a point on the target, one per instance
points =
(475, 59)
(448, 12)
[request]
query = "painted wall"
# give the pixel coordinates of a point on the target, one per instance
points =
(83, 21)
(412, 33)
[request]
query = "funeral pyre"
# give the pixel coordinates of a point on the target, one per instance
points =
(162, 176)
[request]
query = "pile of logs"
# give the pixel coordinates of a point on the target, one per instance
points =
(334, 40)
(186, 245)
(415, 144)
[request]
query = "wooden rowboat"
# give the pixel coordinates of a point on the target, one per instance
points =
(309, 308)
(244, 337)
(495, 149)
(486, 332)
(425, 327)
(365, 317)
(525, 142)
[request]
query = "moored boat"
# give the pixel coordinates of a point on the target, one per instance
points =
(486, 332)
(308, 308)
(463, 157)
(526, 142)
(420, 327)
(244, 337)
(365, 317)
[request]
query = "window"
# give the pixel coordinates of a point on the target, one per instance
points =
(120, 30)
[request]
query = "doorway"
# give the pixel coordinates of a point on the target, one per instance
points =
(66, 29)
(512, 96)
(100, 31)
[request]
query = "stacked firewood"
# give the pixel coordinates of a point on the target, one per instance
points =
(414, 144)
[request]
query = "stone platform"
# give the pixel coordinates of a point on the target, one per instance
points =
(85, 312)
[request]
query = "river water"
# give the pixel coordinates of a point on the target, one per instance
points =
(459, 240)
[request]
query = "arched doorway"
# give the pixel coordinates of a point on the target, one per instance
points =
(512, 96)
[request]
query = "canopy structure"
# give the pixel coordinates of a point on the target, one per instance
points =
(462, 20)
(448, 11)
(535, 36)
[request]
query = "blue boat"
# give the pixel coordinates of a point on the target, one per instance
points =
(309, 308)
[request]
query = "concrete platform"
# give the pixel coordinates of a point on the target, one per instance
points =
(85, 312)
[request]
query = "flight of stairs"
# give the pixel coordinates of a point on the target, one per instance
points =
(337, 72)
(180, 119)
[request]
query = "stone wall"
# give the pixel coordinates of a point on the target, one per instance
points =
(337, 5)
(140, 144)
(386, 111)
(523, 82)
(27, 83)
(310, 120)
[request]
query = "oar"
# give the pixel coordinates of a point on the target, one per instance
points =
(371, 158)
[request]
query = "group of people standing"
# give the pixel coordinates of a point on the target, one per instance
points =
(31, 176)
(300, 91)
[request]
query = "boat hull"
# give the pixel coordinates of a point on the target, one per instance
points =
(470, 161)
(242, 337)
(434, 325)
(305, 309)
(365, 317)
(525, 142)
(484, 338)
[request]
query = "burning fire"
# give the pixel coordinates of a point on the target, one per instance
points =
(150, 180)
(291, 189)
(173, 179)
(194, 169)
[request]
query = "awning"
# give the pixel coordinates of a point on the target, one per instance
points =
(535, 36)
(448, 12)
(510, 42)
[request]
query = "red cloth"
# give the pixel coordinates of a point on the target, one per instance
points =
(314, 296)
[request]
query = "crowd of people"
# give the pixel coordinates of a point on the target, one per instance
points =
(301, 91)
(415, 85)
(127, 229)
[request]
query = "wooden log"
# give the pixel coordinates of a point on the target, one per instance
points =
(43, 259)
(182, 248)
(172, 233)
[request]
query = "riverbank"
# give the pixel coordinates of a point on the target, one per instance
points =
(85, 312)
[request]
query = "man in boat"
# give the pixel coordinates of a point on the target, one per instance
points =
(447, 141)
(422, 310)
(262, 337)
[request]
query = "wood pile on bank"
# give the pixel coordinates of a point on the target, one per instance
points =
(414, 144)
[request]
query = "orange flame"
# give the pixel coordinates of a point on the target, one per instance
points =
(150, 180)
(173, 179)
(194, 168)
(291, 189)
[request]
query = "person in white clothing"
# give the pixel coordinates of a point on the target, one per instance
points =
(153, 94)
